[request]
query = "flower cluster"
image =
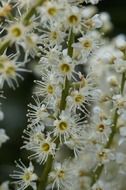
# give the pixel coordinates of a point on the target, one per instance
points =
(76, 122)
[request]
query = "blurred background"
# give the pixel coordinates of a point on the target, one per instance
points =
(15, 104)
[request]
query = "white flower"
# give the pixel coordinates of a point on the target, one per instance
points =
(61, 176)
(16, 32)
(53, 35)
(120, 65)
(30, 45)
(79, 99)
(24, 176)
(65, 126)
(73, 18)
(47, 87)
(34, 136)
(3, 137)
(120, 42)
(9, 70)
(100, 129)
(38, 112)
(76, 142)
(66, 68)
(87, 44)
(51, 11)
(43, 150)
(104, 155)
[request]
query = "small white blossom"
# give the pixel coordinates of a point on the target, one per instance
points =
(24, 176)
(61, 175)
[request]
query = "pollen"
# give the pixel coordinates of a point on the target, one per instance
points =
(45, 147)
(63, 126)
(87, 44)
(73, 19)
(52, 11)
(50, 89)
(79, 98)
(61, 174)
(65, 68)
(27, 176)
(102, 155)
(53, 35)
(10, 70)
(101, 128)
(16, 32)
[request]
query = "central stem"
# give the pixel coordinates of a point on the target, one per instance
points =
(65, 91)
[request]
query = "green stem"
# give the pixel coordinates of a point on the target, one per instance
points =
(32, 11)
(123, 82)
(70, 42)
(44, 176)
(114, 126)
(65, 91)
(99, 169)
(67, 83)
(3, 46)
(64, 95)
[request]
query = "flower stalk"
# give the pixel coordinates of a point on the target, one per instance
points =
(47, 168)
(99, 169)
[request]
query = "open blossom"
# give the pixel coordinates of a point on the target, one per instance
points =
(24, 176)
(38, 112)
(10, 69)
(61, 175)
(79, 95)
(66, 126)
(43, 149)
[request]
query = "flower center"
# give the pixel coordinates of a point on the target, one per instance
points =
(52, 11)
(26, 176)
(73, 19)
(65, 68)
(16, 32)
(102, 155)
(50, 89)
(81, 173)
(53, 35)
(63, 126)
(87, 44)
(45, 147)
(101, 128)
(79, 98)
(61, 174)
(10, 71)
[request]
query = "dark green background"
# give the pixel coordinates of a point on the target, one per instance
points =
(15, 104)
